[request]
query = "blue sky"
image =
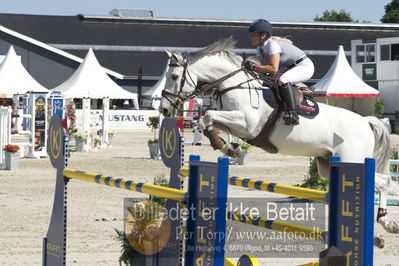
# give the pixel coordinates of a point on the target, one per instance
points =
(278, 10)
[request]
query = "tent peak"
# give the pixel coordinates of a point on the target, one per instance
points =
(90, 80)
(341, 81)
(11, 51)
(14, 78)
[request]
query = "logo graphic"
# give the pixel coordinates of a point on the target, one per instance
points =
(169, 142)
(55, 142)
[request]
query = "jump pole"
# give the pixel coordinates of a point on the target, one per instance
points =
(202, 183)
(299, 192)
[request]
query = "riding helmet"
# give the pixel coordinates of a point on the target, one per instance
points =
(261, 25)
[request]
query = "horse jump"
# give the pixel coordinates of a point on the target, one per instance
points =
(202, 184)
(54, 244)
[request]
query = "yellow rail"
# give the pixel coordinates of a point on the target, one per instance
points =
(127, 184)
(299, 192)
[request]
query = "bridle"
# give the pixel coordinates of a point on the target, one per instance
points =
(199, 90)
(180, 97)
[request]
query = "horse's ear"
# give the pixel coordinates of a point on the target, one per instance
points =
(170, 54)
(174, 57)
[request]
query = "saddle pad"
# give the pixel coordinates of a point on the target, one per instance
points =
(308, 107)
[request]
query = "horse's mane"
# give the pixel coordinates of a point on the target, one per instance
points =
(222, 47)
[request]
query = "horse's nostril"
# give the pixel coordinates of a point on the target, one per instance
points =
(165, 112)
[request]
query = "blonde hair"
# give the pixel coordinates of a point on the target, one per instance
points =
(284, 39)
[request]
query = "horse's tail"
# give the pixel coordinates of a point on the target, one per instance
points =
(382, 147)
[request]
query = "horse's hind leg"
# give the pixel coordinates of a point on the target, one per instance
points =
(323, 166)
(382, 183)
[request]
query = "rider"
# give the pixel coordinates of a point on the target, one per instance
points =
(280, 56)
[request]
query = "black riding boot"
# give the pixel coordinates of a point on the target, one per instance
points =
(290, 115)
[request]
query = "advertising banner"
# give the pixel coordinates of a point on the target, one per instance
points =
(119, 119)
(40, 121)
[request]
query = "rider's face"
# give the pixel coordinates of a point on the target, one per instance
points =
(257, 38)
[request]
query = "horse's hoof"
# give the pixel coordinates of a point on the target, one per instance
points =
(228, 150)
(379, 241)
(389, 225)
(231, 153)
(238, 152)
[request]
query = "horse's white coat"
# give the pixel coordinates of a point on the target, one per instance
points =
(243, 113)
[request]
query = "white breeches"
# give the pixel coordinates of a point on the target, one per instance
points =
(300, 73)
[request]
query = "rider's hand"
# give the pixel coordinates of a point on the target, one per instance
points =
(249, 65)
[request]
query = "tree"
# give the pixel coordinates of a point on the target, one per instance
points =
(341, 16)
(391, 12)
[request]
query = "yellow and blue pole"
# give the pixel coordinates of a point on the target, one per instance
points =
(127, 184)
(299, 192)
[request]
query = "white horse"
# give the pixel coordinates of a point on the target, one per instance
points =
(243, 112)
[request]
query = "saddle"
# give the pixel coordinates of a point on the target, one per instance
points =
(305, 106)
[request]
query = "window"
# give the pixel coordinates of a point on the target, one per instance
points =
(370, 53)
(395, 52)
(365, 53)
(389, 52)
(78, 103)
(120, 104)
(360, 53)
(385, 52)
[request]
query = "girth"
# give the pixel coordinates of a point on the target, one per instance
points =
(262, 140)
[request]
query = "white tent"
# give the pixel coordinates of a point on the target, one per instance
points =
(15, 79)
(152, 97)
(341, 86)
(91, 81)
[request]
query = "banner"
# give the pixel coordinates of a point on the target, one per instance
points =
(119, 119)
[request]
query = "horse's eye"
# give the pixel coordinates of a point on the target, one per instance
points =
(174, 76)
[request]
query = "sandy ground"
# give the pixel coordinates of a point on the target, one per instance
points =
(26, 199)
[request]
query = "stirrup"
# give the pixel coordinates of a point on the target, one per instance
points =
(291, 118)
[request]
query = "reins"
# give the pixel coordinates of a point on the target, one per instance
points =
(209, 87)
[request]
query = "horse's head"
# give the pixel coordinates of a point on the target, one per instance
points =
(207, 65)
(180, 83)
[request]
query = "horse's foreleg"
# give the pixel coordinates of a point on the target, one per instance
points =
(233, 120)
(218, 143)
(224, 119)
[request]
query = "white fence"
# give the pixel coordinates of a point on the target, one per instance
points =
(5, 130)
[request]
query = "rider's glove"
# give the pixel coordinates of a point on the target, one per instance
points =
(250, 65)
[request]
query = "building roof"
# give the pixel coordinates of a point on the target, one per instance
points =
(125, 45)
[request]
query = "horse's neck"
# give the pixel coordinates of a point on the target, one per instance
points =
(212, 68)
